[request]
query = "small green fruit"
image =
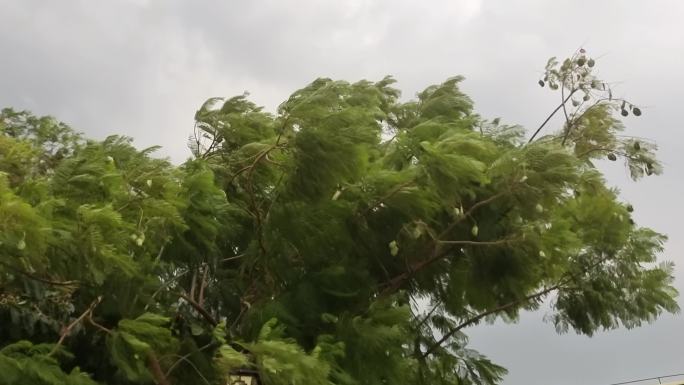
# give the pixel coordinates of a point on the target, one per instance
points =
(475, 230)
(394, 248)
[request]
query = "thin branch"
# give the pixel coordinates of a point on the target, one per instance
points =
(568, 124)
(90, 319)
(164, 286)
(156, 370)
(551, 116)
(621, 153)
(193, 283)
(484, 314)
(233, 258)
(470, 211)
(202, 311)
(395, 282)
(388, 195)
(479, 243)
(40, 279)
(203, 285)
(428, 315)
(185, 357)
(67, 330)
(564, 279)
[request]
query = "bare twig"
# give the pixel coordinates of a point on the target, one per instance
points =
(202, 311)
(156, 370)
(193, 283)
(203, 285)
(187, 361)
(479, 243)
(185, 357)
(551, 116)
(90, 320)
(478, 317)
(388, 195)
(566, 278)
(67, 330)
(40, 279)
(395, 282)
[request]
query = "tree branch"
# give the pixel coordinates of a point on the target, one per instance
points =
(479, 243)
(436, 255)
(551, 116)
(67, 330)
(185, 357)
(156, 370)
(388, 195)
(39, 279)
(562, 281)
(203, 285)
(482, 315)
(202, 311)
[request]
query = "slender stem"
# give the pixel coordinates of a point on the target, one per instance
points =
(67, 330)
(156, 369)
(203, 285)
(480, 316)
(428, 315)
(551, 116)
(185, 357)
(478, 243)
(394, 283)
(202, 311)
(389, 194)
(568, 125)
(39, 279)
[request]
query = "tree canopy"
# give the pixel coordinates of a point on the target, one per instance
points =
(349, 238)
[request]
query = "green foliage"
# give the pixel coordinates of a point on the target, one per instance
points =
(308, 244)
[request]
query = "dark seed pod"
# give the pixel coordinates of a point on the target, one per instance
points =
(581, 61)
(586, 97)
(541, 83)
(637, 146)
(612, 157)
(591, 62)
(636, 111)
(630, 208)
(624, 113)
(575, 103)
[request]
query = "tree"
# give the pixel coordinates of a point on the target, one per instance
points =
(349, 238)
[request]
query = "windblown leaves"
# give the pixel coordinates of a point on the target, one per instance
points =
(306, 243)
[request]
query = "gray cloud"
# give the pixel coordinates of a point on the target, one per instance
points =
(142, 67)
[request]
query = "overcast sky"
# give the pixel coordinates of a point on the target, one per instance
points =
(142, 68)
